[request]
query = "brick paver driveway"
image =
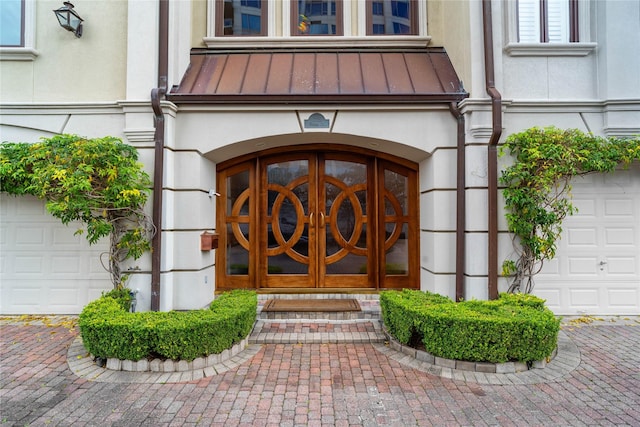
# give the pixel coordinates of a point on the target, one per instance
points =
(318, 384)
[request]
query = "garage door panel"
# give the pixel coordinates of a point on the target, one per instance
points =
(617, 208)
(620, 236)
(578, 237)
(550, 268)
(624, 298)
(69, 265)
(45, 268)
(64, 297)
(26, 265)
(584, 297)
(597, 265)
(586, 208)
(65, 237)
(621, 265)
(29, 237)
(583, 266)
(552, 296)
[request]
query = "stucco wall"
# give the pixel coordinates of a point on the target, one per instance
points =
(69, 69)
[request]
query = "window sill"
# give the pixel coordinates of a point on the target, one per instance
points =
(18, 54)
(315, 41)
(550, 49)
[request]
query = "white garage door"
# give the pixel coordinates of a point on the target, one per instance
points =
(44, 268)
(597, 267)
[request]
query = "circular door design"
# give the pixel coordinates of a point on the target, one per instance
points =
(319, 220)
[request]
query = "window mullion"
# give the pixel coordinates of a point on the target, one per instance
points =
(574, 18)
(544, 21)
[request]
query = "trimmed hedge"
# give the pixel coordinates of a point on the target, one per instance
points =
(515, 327)
(109, 331)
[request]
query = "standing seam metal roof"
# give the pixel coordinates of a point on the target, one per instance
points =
(317, 76)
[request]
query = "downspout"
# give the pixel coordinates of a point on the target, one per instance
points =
(158, 169)
(492, 155)
(460, 201)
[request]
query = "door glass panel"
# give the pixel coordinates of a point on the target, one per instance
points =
(396, 186)
(345, 213)
(287, 217)
(237, 256)
(237, 250)
(396, 228)
(397, 255)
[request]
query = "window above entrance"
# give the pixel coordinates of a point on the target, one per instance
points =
(257, 23)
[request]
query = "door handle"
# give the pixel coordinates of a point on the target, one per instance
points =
(311, 219)
(322, 219)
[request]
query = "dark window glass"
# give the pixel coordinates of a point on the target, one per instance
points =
(316, 17)
(378, 28)
(241, 18)
(392, 17)
(377, 8)
(400, 9)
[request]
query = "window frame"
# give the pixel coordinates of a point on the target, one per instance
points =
(26, 51)
(279, 30)
(219, 21)
(573, 34)
(583, 47)
(414, 20)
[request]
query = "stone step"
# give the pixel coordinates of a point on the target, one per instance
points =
(295, 327)
(306, 331)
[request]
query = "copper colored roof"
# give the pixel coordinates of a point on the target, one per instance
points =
(319, 76)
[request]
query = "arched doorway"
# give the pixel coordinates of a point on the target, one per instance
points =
(317, 217)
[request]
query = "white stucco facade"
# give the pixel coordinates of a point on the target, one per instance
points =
(100, 85)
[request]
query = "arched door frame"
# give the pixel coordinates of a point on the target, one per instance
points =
(243, 210)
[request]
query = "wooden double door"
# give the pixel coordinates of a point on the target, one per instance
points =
(318, 219)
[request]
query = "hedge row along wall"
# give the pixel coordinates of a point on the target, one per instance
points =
(109, 331)
(515, 327)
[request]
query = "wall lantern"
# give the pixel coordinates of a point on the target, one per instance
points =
(69, 19)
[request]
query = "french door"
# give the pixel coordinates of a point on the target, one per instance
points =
(318, 220)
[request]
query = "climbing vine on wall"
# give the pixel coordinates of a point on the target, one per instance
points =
(537, 189)
(96, 181)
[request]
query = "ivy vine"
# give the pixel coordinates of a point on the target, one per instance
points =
(96, 181)
(537, 190)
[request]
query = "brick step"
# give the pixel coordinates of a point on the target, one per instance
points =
(305, 331)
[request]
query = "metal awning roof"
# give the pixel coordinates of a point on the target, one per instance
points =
(319, 76)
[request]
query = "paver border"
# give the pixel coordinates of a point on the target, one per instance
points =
(566, 360)
(81, 363)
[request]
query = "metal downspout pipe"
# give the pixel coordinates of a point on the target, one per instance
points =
(492, 155)
(460, 201)
(158, 166)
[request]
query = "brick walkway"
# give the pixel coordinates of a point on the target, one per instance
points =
(318, 384)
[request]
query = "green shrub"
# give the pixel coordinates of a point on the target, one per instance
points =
(398, 312)
(122, 295)
(516, 327)
(108, 330)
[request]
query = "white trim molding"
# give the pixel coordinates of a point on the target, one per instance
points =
(550, 49)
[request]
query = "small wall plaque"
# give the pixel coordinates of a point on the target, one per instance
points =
(316, 121)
